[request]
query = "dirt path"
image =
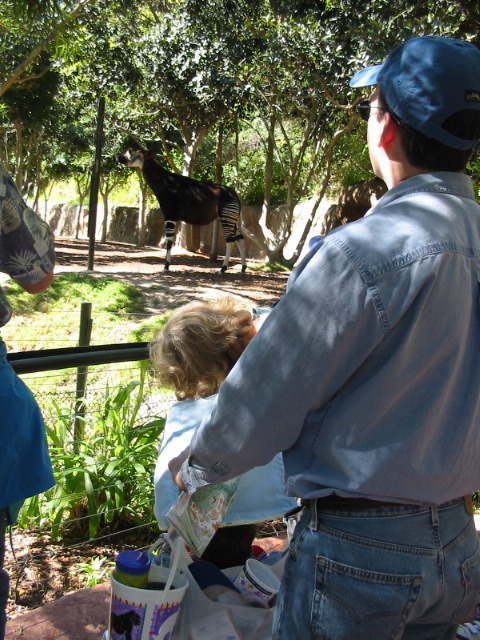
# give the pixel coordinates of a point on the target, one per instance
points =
(191, 277)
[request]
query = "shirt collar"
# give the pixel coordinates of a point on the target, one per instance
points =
(448, 182)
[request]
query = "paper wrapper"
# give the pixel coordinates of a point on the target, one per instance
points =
(196, 517)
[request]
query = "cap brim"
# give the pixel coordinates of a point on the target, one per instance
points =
(366, 77)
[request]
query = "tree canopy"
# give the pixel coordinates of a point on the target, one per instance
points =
(271, 76)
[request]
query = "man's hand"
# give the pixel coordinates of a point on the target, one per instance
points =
(175, 466)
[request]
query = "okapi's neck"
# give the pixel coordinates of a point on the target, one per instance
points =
(152, 170)
(155, 176)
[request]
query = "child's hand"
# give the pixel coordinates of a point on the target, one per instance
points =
(175, 466)
(178, 479)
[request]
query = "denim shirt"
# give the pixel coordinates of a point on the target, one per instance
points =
(366, 374)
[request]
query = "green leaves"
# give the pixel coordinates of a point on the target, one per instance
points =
(106, 478)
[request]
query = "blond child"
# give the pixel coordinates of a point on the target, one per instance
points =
(193, 354)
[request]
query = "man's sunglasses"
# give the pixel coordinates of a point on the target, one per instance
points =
(364, 108)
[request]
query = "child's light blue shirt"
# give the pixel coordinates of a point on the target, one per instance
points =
(261, 491)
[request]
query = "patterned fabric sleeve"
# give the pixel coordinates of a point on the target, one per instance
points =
(27, 251)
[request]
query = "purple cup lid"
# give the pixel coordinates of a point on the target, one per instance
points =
(133, 562)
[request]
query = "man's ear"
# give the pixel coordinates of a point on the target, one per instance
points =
(389, 132)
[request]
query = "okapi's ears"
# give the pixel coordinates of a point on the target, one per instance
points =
(150, 154)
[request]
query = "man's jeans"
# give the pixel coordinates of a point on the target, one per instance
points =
(3, 574)
(390, 573)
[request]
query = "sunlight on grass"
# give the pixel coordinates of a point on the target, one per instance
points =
(51, 319)
(270, 267)
(148, 329)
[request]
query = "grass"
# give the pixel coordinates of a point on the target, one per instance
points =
(149, 328)
(52, 319)
(67, 290)
(270, 267)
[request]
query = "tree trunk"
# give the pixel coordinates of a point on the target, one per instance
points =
(142, 204)
(218, 179)
(103, 235)
(38, 180)
(267, 193)
(19, 154)
(78, 217)
(82, 182)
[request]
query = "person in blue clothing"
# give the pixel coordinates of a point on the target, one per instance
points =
(193, 354)
(366, 376)
(27, 255)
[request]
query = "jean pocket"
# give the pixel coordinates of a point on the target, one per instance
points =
(356, 604)
(471, 589)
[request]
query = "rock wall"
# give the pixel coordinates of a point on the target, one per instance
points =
(123, 227)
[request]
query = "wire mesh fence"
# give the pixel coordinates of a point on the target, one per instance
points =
(104, 425)
(104, 443)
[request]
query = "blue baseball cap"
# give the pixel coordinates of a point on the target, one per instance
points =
(425, 80)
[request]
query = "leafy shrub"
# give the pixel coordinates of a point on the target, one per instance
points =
(104, 478)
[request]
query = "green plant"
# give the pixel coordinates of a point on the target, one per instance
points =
(104, 478)
(95, 571)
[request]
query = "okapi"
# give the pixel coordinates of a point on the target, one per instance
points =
(188, 200)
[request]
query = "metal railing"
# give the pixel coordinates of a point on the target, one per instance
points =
(70, 357)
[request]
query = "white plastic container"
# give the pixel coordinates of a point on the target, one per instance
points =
(145, 614)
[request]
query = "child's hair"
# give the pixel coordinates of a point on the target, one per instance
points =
(198, 346)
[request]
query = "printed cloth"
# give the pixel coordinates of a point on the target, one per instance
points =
(26, 242)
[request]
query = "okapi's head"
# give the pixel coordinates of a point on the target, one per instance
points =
(132, 158)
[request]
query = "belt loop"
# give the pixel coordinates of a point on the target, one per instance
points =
(435, 518)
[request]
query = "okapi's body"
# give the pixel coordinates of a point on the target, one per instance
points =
(188, 200)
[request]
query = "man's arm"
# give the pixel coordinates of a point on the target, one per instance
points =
(40, 286)
(312, 341)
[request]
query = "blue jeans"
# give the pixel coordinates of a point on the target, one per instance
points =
(3, 574)
(389, 573)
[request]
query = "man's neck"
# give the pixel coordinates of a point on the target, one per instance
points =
(399, 172)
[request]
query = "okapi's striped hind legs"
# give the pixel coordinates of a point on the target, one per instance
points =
(170, 237)
(228, 250)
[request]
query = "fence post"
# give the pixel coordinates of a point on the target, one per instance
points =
(83, 341)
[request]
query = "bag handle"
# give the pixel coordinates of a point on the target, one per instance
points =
(175, 542)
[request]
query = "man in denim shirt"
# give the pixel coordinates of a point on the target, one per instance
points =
(366, 375)
(27, 255)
